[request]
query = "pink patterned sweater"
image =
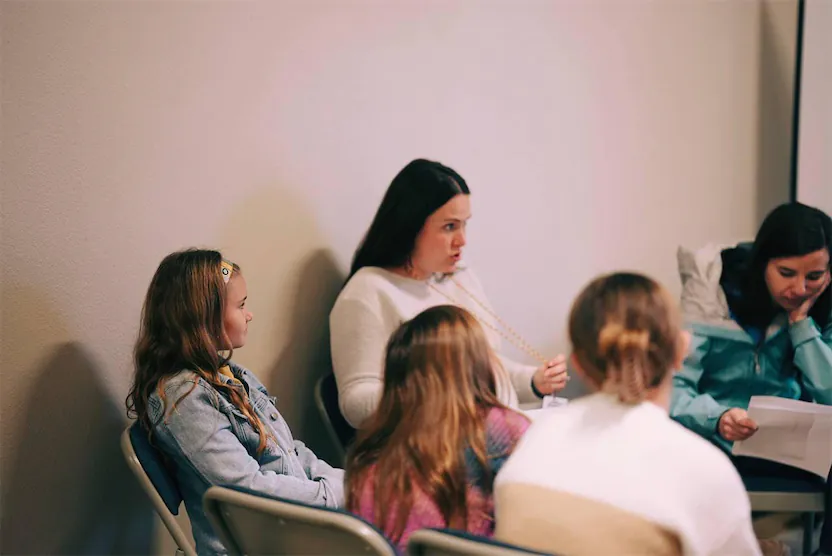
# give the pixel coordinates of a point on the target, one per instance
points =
(504, 428)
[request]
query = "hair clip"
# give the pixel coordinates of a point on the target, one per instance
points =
(226, 268)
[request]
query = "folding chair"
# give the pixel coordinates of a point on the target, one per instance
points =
(448, 542)
(326, 398)
(252, 523)
(773, 494)
(145, 462)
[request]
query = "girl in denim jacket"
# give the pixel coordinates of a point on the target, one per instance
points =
(211, 418)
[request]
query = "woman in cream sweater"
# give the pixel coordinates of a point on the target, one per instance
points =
(409, 261)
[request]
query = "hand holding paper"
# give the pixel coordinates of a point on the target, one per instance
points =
(790, 432)
(735, 424)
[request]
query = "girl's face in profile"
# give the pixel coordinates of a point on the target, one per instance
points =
(439, 244)
(236, 315)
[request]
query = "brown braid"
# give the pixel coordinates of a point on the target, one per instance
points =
(625, 334)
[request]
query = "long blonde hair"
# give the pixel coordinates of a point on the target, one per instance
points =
(439, 384)
(182, 329)
(625, 333)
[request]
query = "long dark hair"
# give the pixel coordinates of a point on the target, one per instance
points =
(439, 384)
(416, 192)
(182, 329)
(790, 230)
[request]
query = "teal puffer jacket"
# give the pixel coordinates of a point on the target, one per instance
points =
(725, 366)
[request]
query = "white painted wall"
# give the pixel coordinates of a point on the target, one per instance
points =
(594, 135)
(814, 171)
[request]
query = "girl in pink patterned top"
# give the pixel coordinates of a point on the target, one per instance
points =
(429, 455)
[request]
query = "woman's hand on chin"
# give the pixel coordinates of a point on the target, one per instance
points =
(802, 312)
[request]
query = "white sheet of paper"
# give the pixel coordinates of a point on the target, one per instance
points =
(791, 432)
(554, 401)
(550, 404)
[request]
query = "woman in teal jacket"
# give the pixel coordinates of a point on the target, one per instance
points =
(761, 318)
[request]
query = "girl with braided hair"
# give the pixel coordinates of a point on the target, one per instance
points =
(611, 473)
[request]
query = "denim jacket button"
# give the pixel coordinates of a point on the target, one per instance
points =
(274, 416)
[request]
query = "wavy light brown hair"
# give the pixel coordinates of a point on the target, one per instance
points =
(625, 331)
(439, 384)
(182, 329)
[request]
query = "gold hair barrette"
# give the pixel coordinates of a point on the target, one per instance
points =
(226, 268)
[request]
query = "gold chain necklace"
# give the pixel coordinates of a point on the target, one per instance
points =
(512, 337)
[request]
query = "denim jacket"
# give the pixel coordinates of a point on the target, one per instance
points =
(209, 442)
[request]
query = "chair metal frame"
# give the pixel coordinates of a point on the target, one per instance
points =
(340, 447)
(162, 509)
(217, 500)
(807, 504)
(435, 542)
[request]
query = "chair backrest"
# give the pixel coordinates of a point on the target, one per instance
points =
(446, 542)
(326, 398)
(252, 523)
(558, 521)
(785, 494)
(147, 465)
